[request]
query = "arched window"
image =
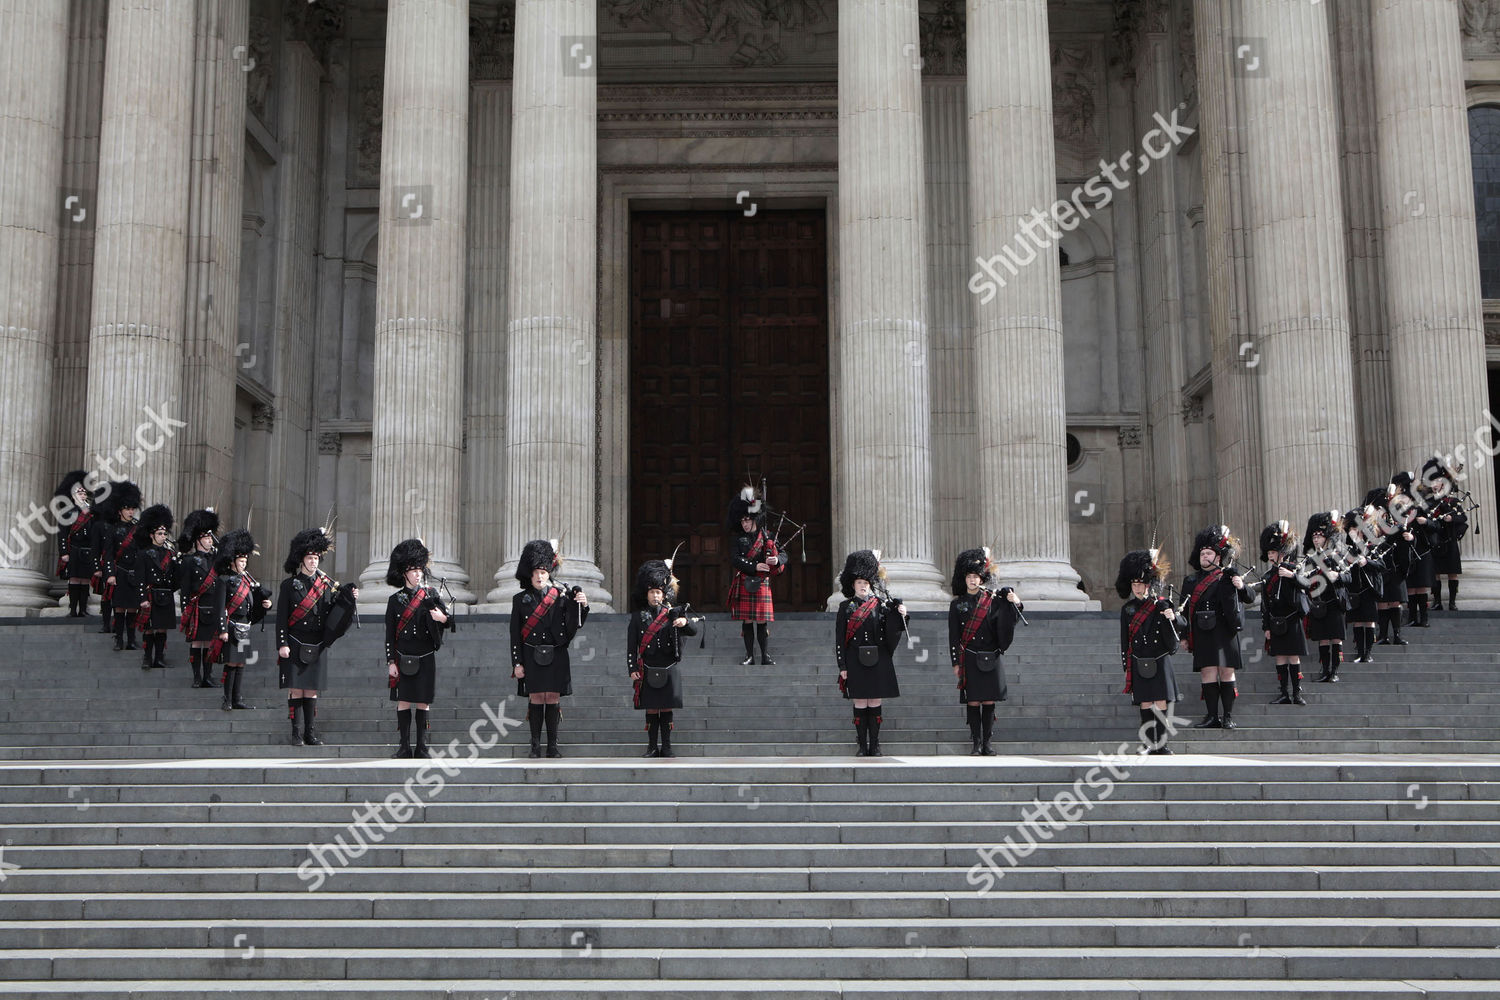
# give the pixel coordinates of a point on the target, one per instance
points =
(1484, 149)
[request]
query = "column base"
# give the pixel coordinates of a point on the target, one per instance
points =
(374, 592)
(1044, 585)
(1478, 585)
(920, 586)
(575, 572)
(26, 592)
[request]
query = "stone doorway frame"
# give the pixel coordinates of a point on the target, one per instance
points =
(623, 189)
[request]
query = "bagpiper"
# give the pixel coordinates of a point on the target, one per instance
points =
(1148, 638)
(415, 619)
(653, 650)
(544, 618)
(235, 602)
(865, 636)
(120, 510)
(1453, 523)
(1397, 552)
(981, 627)
(1283, 610)
(305, 602)
(1421, 576)
(756, 559)
(1214, 593)
(156, 577)
(1366, 577)
(196, 577)
(73, 505)
(1328, 594)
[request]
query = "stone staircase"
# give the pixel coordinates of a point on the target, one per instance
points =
(156, 847)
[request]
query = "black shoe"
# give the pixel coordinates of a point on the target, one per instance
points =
(552, 751)
(208, 679)
(1160, 750)
(310, 738)
(224, 705)
(766, 661)
(239, 704)
(1228, 723)
(296, 738)
(861, 752)
(1297, 699)
(403, 752)
(422, 752)
(106, 630)
(748, 661)
(1410, 622)
(119, 644)
(1285, 699)
(131, 645)
(1209, 722)
(652, 751)
(666, 749)
(1381, 642)
(1398, 641)
(974, 749)
(985, 750)
(535, 752)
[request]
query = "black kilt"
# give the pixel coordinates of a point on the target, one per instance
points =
(875, 681)
(1331, 625)
(1422, 573)
(1364, 609)
(978, 685)
(312, 676)
(1161, 685)
(1447, 561)
(1218, 648)
(420, 686)
(161, 616)
(1292, 643)
(1394, 591)
(658, 699)
(555, 678)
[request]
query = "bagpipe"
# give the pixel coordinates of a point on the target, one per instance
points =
(782, 523)
(343, 613)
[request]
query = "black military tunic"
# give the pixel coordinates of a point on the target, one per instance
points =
(117, 558)
(547, 642)
(78, 541)
(298, 672)
(1215, 620)
(1446, 560)
(1283, 607)
(983, 676)
(218, 619)
(1149, 657)
(1328, 600)
(1427, 534)
(867, 655)
(1366, 587)
(421, 638)
(660, 686)
(194, 571)
(157, 576)
(1397, 556)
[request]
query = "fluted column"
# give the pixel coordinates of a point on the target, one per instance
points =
(416, 448)
(550, 382)
(33, 78)
(1431, 260)
(884, 407)
(140, 248)
(1299, 288)
(215, 203)
(1018, 346)
(1236, 384)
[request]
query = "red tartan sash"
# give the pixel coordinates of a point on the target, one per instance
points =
(976, 618)
(412, 605)
(236, 599)
(190, 606)
(857, 617)
(304, 607)
(761, 544)
(1136, 624)
(1208, 581)
(125, 543)
(651, 631)
(541, 610)
(82, 521)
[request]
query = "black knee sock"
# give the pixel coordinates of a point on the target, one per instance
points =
(161, 647)
(1227, 695)
(1281, 676)
(534, 714)
(1452, 593)
(1211, 698)
(762, 633)
(973, 719)
(403, 725)
(194, 655)
(237, 674)
(291, 709)
(309, 712)
(666, 727)
(747, 632)
(120, 626)
(1148, 720)
(421, 720)
(553, 718)
(1383, 617)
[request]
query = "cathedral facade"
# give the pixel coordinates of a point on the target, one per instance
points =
(1061, 278)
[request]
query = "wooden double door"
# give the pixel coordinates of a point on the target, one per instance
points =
(729, 385)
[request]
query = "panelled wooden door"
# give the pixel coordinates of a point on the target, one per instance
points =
(729, 383)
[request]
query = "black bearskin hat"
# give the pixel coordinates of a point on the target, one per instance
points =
(1379, 497)
(1149, 565)
(158, 515)
(971, 561)
(303, 543)
(234, 544)
(1403, 481)
(409, 554)
(1438, 478)
(64, 491)
(538, 554)
(1325, 523)
(745, 504)
(653, 574)
(121, 495)
(1276, 537)
(197, 524)
(861, 565)
(1217, 538)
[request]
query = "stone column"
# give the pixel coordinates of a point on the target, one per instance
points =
(1299, 287)
(140, 248)
(416, 448)
(884, 410)
(1018, 347)
(33, 76)
(550, 421)
(215, 203)
(1431, 262)
(1236, 396)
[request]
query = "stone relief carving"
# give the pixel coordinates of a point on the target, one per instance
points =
(1130, 436)
(330, 443)
(1187, 56)
(1480, 22)
(369, 112)
(317, 24)
(749, 32)
(943, 41)
(492, 42)
(263, 417)
(1073, 95)
(258, 86)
